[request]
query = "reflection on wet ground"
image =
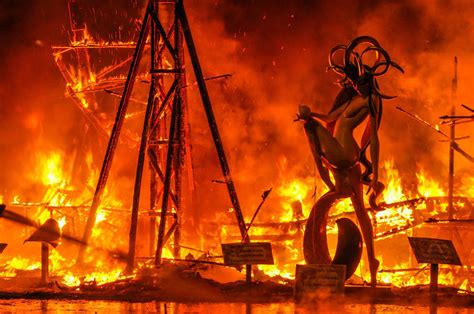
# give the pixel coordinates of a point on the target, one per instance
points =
(59, 306)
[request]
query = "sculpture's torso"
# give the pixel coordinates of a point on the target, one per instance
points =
(356, 111)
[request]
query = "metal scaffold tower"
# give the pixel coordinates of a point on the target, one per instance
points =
(164, 142)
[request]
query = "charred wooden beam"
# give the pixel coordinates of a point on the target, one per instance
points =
(164, 71)
(206, 100)
(114, 137)
(164, 36)
(264, 198)
(164, 103)
(179, 159)
(154, 194)
(157, 169)
(138, 176)
(169, 34)
(20, 219)
(170, 231)
(167, 185)
(452, 138)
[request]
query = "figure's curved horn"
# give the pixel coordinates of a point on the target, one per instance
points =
(386, 62)
(397, 66)
(339, 69)
(359, 64)
(378, 92)
(355, 42)
(342, 79)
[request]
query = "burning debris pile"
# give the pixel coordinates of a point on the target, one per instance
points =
(75, 185)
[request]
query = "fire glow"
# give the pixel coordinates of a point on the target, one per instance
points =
(69, 202)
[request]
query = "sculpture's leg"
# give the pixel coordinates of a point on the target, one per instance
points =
(377, 191)
(365, 224)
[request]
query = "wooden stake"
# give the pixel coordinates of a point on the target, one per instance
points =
(452, 135)
(434, 270)
(206, 101)
(44, 263)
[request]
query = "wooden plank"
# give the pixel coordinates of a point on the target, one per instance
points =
(434, 251)
(256, 253)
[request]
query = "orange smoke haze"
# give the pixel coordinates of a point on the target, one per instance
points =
(277, 53)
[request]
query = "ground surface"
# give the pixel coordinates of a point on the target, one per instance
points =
(73, 306)
(186, 289)
(197, 291)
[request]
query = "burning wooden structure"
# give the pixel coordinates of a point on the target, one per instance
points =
(164, 144)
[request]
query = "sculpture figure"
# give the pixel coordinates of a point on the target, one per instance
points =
(335, 149)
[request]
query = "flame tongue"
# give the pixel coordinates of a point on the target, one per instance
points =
(295, 199)
(390, 224)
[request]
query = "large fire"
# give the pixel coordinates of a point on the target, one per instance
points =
(395, 222)
(407, 209)
(392, 222)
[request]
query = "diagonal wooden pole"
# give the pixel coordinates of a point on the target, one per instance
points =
(213, 126)
(452, 135)
(179, 160)
(138, 176)
(167, 183)
(114, 137)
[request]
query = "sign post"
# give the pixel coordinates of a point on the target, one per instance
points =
(252, 253)
(44, 263)
(434, 271)
(434, 252)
